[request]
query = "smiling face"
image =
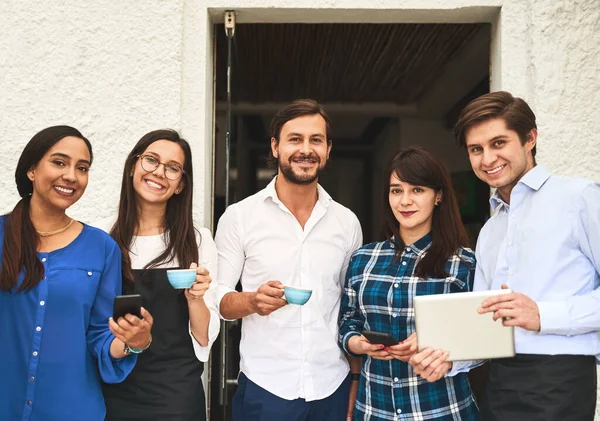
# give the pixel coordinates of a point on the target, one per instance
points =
(498, 156)
(412, 207)
(302, 150)
(61, 176)
(153, 187)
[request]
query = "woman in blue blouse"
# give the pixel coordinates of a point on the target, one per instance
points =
(424, 253)
(58, 281)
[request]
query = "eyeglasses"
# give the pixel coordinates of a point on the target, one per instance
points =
(150, 164)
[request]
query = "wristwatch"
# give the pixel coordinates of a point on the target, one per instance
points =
(129, 350)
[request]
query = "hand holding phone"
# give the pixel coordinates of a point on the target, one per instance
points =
(360, 345)
(377, 338)
(127, 304)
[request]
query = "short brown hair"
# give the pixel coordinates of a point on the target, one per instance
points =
(298, 108)
(515, 112)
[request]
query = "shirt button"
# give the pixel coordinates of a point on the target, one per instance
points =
(89, 273)
(395, 285)
(31, 378)
(35, 353)
(38, 328)
(403, 263)
(510, 243)
(43, 259)
(396, 379)
(407, 249)
(394, 314)
(399, 411)
(42, 302)
(29, 403)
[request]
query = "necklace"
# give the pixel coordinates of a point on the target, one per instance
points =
(58, 231)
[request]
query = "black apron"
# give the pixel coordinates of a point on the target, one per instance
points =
(165, 384)
(541, 388)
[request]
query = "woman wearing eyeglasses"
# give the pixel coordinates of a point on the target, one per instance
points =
(155, 231)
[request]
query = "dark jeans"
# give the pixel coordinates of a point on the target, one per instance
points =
(253, 403)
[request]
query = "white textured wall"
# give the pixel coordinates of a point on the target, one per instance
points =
(111, 69)
(118, 69)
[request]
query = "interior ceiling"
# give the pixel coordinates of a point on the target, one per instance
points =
(394, 63)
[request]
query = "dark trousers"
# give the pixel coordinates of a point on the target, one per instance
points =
(253, 403)
(541, 388)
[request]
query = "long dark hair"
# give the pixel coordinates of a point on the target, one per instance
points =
(178, 222)
(19, 248)
(419, 167)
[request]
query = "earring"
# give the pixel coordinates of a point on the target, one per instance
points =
(177, 191)
(437, 202)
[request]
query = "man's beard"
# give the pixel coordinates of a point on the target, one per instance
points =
(303, 178)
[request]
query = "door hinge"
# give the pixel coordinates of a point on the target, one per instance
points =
(230, 23)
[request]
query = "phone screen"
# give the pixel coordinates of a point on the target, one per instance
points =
(127, 304)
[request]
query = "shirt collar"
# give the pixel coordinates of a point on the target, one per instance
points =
(418, 247)
(534, 179)
(269, 192)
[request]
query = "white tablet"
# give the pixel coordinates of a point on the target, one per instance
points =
(450, 322)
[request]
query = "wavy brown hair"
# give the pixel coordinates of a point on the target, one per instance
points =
(419, 167)
(20, 243)
(178, 223)
(515, 112)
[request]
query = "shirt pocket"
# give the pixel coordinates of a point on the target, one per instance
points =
(445, 285)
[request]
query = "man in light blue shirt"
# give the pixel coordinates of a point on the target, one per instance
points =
(542, 242)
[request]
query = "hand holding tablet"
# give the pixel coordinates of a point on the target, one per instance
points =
(452, 323)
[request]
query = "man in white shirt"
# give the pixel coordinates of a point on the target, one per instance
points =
(289, 234)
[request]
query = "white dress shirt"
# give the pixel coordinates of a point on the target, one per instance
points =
(146, 248)
(293, 352)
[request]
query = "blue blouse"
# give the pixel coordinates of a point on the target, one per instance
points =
(54, 339)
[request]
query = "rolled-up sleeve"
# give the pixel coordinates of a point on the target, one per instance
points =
(208, 259)
(231, 254)
(99, 337)
(351, 320)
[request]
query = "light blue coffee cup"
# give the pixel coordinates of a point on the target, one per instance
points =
(181, 278)
(298, 296)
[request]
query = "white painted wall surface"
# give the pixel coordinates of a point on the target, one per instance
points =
(111, 69)
(118, 69)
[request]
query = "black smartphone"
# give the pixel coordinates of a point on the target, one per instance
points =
(380, 338)
(128, 304)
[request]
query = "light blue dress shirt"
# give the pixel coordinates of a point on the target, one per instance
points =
(546, 245)
(54, 339)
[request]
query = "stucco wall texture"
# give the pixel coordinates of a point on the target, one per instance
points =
(117, 70)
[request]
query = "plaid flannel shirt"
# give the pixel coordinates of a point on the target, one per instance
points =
(378, 296)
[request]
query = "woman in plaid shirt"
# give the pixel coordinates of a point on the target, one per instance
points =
(425, 253)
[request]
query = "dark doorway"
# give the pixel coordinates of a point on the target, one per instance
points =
(385, 86)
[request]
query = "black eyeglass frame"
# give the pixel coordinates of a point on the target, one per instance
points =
(159, 163)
